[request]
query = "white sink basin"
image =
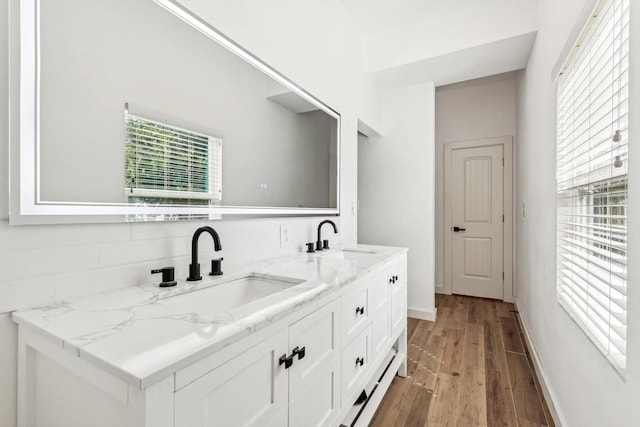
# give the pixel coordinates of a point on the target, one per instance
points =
(351, 254)
(229, 295)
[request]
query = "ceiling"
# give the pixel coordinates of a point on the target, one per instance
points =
(443, 41)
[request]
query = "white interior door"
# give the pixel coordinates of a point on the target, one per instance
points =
(477, 215)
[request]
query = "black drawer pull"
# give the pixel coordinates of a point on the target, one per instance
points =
(360, 361)
(287, 361)
(300, 352)
(359, 310)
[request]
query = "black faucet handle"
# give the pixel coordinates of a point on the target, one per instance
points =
(310, 249)
(325, 244)
(168, 276)
(216, 267)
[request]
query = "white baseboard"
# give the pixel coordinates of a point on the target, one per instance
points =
(549, 395)
(423, 314)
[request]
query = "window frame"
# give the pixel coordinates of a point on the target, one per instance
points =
(579, 184)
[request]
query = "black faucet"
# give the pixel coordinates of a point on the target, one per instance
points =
(194, 267)
(319, 244)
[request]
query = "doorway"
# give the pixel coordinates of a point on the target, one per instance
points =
(478, 233)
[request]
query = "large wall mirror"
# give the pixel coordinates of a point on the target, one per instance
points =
(139, 110)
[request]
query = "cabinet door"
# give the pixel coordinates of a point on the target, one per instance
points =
(381, 313)
(249, 390)
(314, 380)
(398, 282)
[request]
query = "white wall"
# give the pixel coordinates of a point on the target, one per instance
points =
(475, 109)
(396, 187)
(316, 45)
(41, 263)
(586, 390)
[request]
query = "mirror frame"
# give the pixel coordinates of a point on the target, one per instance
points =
(26, 205)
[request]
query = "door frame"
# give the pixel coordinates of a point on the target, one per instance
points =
(508, 290)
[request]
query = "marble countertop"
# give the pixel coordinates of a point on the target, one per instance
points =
(135, 334)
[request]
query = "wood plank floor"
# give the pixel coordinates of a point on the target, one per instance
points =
(469, 368)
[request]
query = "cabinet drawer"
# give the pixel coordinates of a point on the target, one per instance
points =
(356, 359)
(355, 312)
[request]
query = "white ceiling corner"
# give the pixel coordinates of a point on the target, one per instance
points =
(478, 61)
(443, 41)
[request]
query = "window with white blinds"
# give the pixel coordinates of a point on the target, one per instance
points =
(592, 161)
(169, 165)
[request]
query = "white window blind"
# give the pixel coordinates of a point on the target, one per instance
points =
(169, 165)
(592, 161)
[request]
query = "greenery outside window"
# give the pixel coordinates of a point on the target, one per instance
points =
(168, 165)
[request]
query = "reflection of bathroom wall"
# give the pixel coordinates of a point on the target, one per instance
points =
(96, 57)
(291, 170)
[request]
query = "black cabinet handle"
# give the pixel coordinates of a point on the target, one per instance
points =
(301, 352)
(360, 361)
(458, 229)
(286, 360)
(359, 310)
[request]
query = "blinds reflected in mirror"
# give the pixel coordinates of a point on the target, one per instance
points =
(592, 161)
(165, 164)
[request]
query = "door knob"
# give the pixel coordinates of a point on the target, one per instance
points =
(457, 229)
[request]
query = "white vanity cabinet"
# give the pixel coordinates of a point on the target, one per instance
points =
(305, 367)
(259, 387)
(376, 338)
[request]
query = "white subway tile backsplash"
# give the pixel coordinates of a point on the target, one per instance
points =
(64, 259)
(47, 236)
(21, 264)
(135, 251)
(80, 283)
(15, 265)
(24, 293)
(40, 264)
